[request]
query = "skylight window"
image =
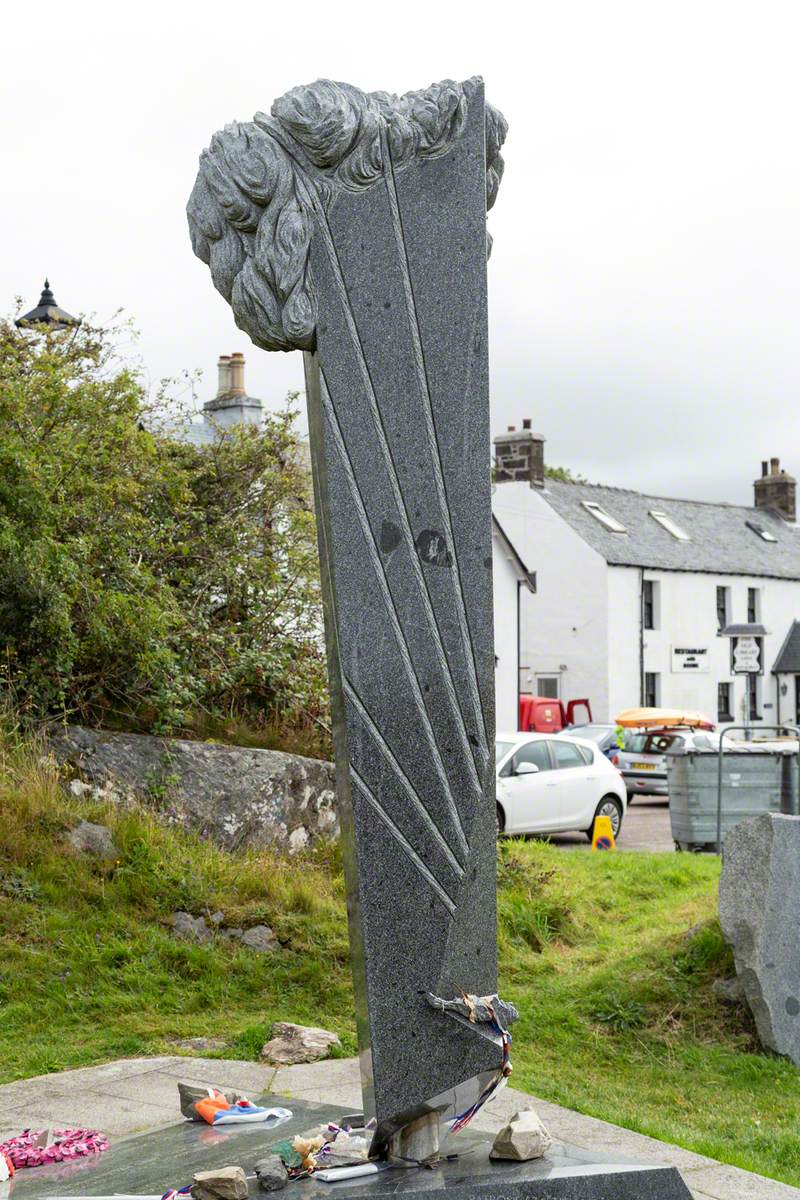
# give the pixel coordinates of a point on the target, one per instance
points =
(667, 523)
(763, 533)
(603, 517)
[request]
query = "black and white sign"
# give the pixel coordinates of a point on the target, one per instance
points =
(746, 656)
(689, 658)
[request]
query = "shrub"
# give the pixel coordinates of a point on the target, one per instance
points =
(145, 581)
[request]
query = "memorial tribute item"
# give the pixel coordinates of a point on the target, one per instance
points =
(352, 226)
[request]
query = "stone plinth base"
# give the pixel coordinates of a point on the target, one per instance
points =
(148, 1164)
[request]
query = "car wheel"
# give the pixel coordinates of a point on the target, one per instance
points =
(501, 819)
(609, 807)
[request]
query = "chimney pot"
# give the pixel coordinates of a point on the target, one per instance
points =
(526, 424)
(511, 429)
(775, 464)
(223, 375)
(764, 467)
(237, 387)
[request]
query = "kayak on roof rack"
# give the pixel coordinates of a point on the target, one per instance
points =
(663, 718)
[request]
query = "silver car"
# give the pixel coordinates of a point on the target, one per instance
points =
(643, 762)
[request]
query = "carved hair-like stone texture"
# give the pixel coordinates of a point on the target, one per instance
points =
(260, 184)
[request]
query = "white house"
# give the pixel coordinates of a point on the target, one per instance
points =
(512, 581)
(230, 406)
(633, 592)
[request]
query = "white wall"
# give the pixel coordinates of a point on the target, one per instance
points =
(505, 637)
(689, 616)
(624, 655)
(564, 626)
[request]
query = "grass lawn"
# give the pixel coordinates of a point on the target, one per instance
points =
(610, 959)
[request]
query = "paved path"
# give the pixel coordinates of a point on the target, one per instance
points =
(646, 827)
(140, 1094)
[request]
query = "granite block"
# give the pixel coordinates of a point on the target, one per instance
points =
(369, 246)
(146, 1165)
(758, 893)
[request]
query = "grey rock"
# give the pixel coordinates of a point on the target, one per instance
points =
(383, 285)
(191, 929)
(235, 796)
(225, 1183)
(95, 840)
(523, 1138)
(217, 918)
(729, 991)
(231, 933)
(758, 896)
(260, 938)
(271, 1174)
(297, 1044)
(190, 1093)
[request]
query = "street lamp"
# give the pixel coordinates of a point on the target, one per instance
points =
(47, 313)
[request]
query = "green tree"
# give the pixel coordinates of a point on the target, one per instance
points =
(564, 475)
(144, 581)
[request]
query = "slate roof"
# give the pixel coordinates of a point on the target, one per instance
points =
(721, 542)
(788, 660)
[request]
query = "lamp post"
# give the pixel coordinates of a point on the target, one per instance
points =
(47, 313)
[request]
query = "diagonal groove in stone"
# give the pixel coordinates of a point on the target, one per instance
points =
(433, 440)
(403, 779)
(388, 599)
(298, 156)
(400, 503)
(402, 840)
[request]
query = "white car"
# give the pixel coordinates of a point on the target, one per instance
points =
(548, 784)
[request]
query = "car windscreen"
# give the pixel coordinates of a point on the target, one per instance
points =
(704, 741)
(651, 743)
(592, 733)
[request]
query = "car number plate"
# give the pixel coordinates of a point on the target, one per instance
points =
(644, 766)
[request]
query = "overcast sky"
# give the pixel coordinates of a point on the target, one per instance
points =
(645, 278)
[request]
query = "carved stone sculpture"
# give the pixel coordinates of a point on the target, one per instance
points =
(352, 226)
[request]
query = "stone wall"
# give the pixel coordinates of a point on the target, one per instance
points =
(237, 797)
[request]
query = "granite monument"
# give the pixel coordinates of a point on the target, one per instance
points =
(352, 226)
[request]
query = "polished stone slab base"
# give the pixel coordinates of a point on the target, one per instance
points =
(150, 1163)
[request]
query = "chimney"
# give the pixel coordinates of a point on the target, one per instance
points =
(775, 489)
(224, 369)
(519, 455)
(237, 375)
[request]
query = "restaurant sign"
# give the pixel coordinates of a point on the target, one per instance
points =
(689, 658)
